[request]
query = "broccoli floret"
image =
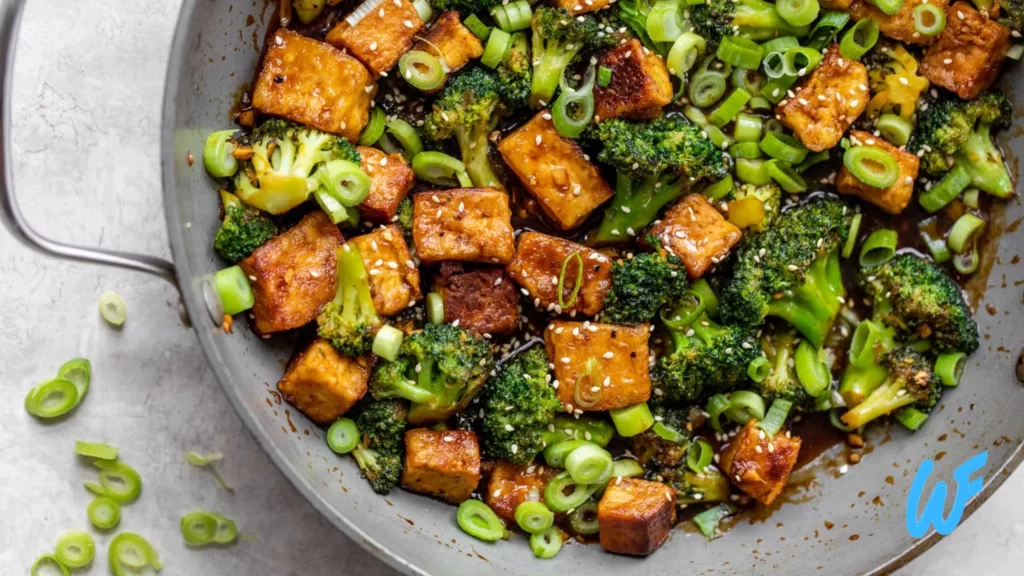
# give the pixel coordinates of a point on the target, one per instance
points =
(515, 73)
(641, 285)
(691, 487)
(633, 14)
(465, 7)
(403, 218)
(770, 196)
(652, 448)
(564, 427)
(779, 347)
(381, 426)
(468, 108)
(656, 162)
(865, 368)
(349, 321)
(753, 19)
(919, 300)
(288, 162)
(790, 270)
(953, 131)
(910, 382)
(243, 230)
(558, 37)
(519, 401)
(1012, 13)
(439, 369)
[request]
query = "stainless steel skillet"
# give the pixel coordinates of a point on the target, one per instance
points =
(418, 535)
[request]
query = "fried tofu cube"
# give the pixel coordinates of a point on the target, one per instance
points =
(582, 6)
(843, 5)
(621, 356)
(640, 84)
(394, 278)
(635, 516)
(555, 170)
(538, 264)
(391, 179)
(758, 464)
(442, 463)
(293, 274)
(381, 37)
(697, 233)
(314, 83)
(892, 199)
(463, 224)
(510, 485)
(449, 40)
(323, 384)
(968, 54)
(820, 122)
(898, 26)
(482, 300)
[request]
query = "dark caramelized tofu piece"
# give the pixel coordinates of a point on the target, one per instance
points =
(621, 356)
(293, 274)
(381, 37)
(463, 224)
(510, 485)
(451, 41)
(640, 84)
(442, 463)
(538, 264)
(555, 171)
(314, 83)
(482, 300)
(582, 6)
(394, 277)
(635, 516)
(898, 26)
(697, 233)
(892, 199)
(968, 54)
(323, 384)
(758, 464)
(391, 178)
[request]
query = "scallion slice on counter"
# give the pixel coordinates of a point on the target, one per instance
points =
(342, 436)
(479, 521)
(118, 481)
(52, 398)
(201, 528)
(422, 70)
(104, 513)
(75, 549)
(129, 553)
(39, 567)
(95, 450)
(79, 371)
(112, 308)
(211, 461)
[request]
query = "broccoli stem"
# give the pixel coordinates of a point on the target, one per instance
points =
(353, 293)
(366, 459)
(412, 392)
(643, 200)
(813, 306)
(884, 400)
(858, 383)
(550, 59)
(984, 163)
(425, 376)
(473, 145)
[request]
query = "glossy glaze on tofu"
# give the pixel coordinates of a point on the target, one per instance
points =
(391, 179)
(640, 84)
(483, 300)
(635, 516)
(968, 54)
(892, 199)
(451, 41)
(441, 463)
(759, 464)
(463, 224)
(381, 37)
(538, 263)
(394, 277)
(324, 384)
(697, 233)
(511, 484)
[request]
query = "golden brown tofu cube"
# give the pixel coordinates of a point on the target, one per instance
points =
(555, 170)
(293, 274)
(898, 26)
(323, 384)
(314, 83)
(510, 485)
(538, 264)
(892, 199)
(758, 464)
(968, 54)
(442, 463)
(621, 356)
(836, 4)
(381, 37)
(820, 122)
(463, 224)
(394, 278)
(582, 6)
(482, 300)
(391, 178)
(449, 40)
(640, 83)
(635, 516)
(697, 233)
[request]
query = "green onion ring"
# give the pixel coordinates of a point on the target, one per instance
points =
(75, 549)
(497, 48)
(604, 76)
(112, 308)
(745, 405)
(799, 61)
(556, 498)
(812, 373)
(668, 433)
(665, 21)
(826, 29)
(52, 398)
(234, 290)
(783, 147)
(729, 108)
(759, 369)
(708, 520)
(374, 128)
(748, 129)
(859, 39)
(589, 464)
(627, 468)
(555, 454)
(689, 309)
(513, 16)
(706, 88)
(118, 481)
(699, 456)
(786, 177)
(423, 10)
(894, 128)
(128, 553)
(717, 405)
(546, 544)
(949, 367)
(632, 420)
(684, 54)
(104, 513)
(965, 232)
(798, 12)
(934, 241)
(584, 396)
(48, 559)
(476, 26)
(968, 262)
(872, 166)
(707, 296)
(583, 519)
(342, 436)
(566, 304)
(774, 65)
(218, 155)
(776, 417)
(345, 181)
(479, 521)
(889, 7)
(533, 517)
(879, 248)
(945, 190)
(752, 171)
(422, 70)
(572, 123)
(440, 168)
(386, 342)
(911, 418)
(851, 237)
(836, 420)
(435, 308)
(408, 141)
(740, 52)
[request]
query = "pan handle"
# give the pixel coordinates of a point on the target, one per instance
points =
(10, 214)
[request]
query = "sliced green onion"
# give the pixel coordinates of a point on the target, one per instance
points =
(945, 190)
(374, 128)
(934, 241)
(759, 369)
(604, 76)
(423, 9)
(780, 44)
(859, 39)
(752, 171)
(760, 103)
(868, 340)
(400, 138)
(811, 161)
(889, 7)
(812, 372)
(95, 450)
(693, 114)
(627, 468)
(872, 166)
(112, 308)
(422, 70)
(717, 137)
(75, 549)
(209, 461)
(720, 189)
(684, 53)
(971, 198)
(776, 416)
(745, 405)
(52, 398)
(911, 417)
(202, 528)
(748, 128)
(665, 21)
(749, 80)
(706, 88)
(479, 521)
(555, 454)
(965, 233)
(441, 169)
(533, 517)
(330, 205)
(783, 147)
(45, 559)
(687, 311)
(129, 553)
(345, 181)
(851, 238)
(546, 544)
(799, 61)
(589, 464)
(218, 155)
(717, 405)
(477, 27)
(949, 367)
(786, 177)
(513, 16)
(668, 433)
(234, 290)
(387, 341)
(583, 520)
(435, 308)
(729, 107)
(118, 481)
(557, 499)
(740, 52)
(798, 12)
(707, 296)
(775, 89)
(894, 128)
(699, 456)
(577, 284)
(774, 65)
(573, 109)
(79, 371)
(879, 248)
(1015, 52)
(342, 436)
(707, 521)
(967, 262)
(632, 420)
(498, 46)
(826, 29)
(836, 420)
(104, 513)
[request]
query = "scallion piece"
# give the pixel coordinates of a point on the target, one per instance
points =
(423, 9)
(775, 89)
(421, 70)
(40, 564)
(748, 128)
(1015, 52)
(112, 308)
(632, 420)
(342, 436)
(574, 108)
(717, 406)
(684, 54)
(945, 190)
(665, 21)
(477, 27)
(577, 281)
(971, 198)
(745, 405)
(75, 549)
(512, 16)
(873, 166)
(835, 418)
(627, 468)
(555, 493)
(52, 398)
(374, 128)
(895, 128)
(400, 138)
(498, 45)
(104, 513)
(79, 371)
(717, 136)
(699, 456)
(740, 52)
(859, 39)
(747, 150)
(964, 233)
(759, 369)
(934, 240)
(783, 147)
(879, 248)
(811, 161)
(589, 464)
(776, 417)
(546, 544)
(218, 157)
(785, 176)
(387, 342)
(729, 107)
(201, 528)
(706, 88)
(435, 308)
(533, 517)
(968, 262)
(604, 76)
(95, 450)
(798, 12)
(810, 369)
(851, 238)
(799, 61)
(889, 7)
(687, 310)
(118, 481)
(760, 103)
(335, 210)
(441, 169)
(707, 521)
(774, 65)
(234, 290)
(555, 454)
(668, 433)
(949, 367)
(129, 553)
(826, 29)
(583, 520)
(720, 189)
(780, 44)
(209, 461)
(752, 171)
(707, 296)
(911, 417)
(345, 181)
(749, 80)
(479, 521)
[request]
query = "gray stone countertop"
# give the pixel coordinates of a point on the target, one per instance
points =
(86, 111)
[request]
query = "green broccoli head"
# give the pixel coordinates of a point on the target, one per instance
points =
(1011, 13)
(558, 37)
(515, 73)
(350, 321)
(243, 230)
(665, 445)
(642, 285)
(565, 427)
(692, 487)
(519, 402)
(910, 382)
(754, 19)
(465, 7)
(770, 196)
(919, 300)
(467, 109)
(782, 382)
(632, 14)
(381, 425)
(790, 270)
(403, 218)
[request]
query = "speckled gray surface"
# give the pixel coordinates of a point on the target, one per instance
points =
(88, 82)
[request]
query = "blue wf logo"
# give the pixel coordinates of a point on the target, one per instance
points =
(965, 490)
